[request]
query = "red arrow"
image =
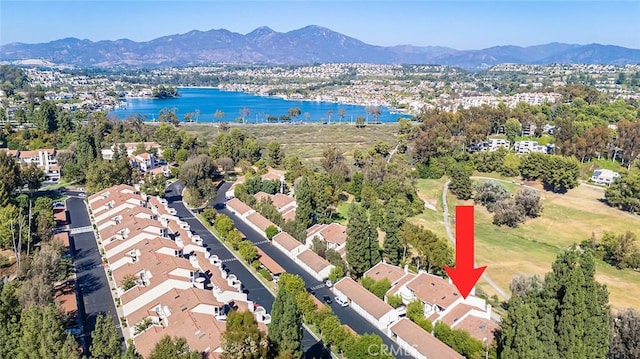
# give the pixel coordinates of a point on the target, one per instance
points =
(464, 275)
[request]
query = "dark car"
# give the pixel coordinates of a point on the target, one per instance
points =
(327, 299)
(311, 291)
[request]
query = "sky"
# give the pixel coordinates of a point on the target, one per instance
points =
(458, 24)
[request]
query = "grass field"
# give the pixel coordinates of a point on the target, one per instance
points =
(309, 140)
(532, 247)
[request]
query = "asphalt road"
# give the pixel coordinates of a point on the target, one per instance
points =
(254, 288)
(346, 315)
(91, 277)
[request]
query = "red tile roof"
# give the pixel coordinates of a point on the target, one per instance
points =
(259, 221)
(286, 241)
(423, 342)
(363, 298)
(478, 328)
(314, 261)
(384, 270)
(434, 290)
(238, 206)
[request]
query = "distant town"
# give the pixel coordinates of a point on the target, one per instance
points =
(402, 88)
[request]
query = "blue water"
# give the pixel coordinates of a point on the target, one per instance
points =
(208, 100)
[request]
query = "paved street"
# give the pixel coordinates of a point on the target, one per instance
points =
(91, 277)
(255, 289)
(347, 315)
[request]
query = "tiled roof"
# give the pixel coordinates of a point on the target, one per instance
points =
(423, 342)
(363, 298)
(478, 328)
(238, 206)
(434, 290)
(314, 261)
(384, 270)
(259, 221)
(335, 233)
(285, 240)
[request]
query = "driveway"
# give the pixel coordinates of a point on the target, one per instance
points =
(91, 277)
(256, 291)
(346, 315)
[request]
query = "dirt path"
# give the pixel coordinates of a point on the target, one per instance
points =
(447, 226)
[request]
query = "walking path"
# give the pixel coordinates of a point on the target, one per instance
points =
(447, 226)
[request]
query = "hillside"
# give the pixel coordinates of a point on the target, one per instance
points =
(310, 44)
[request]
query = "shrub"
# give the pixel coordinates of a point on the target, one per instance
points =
(271, 231)
(265, 273)
(394, 301)
(489, 193)
(128, 282)
(507, 212)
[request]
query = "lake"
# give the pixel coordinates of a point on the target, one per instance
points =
(208, 100)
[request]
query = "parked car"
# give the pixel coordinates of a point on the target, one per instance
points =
(311, 291)
(328, 283)
(327, 299)
(342, 302)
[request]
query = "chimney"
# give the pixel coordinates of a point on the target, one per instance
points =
(406, 268)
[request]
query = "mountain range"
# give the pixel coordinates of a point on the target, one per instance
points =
(310, 44)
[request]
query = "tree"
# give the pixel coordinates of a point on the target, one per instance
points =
(367, 346)
(275, 154)
(247, 250)
(461, 185)
(507, 212)
(566, 316)
(271, 231)
(198, 173)
(379, 288)
(105, 341)
(294, 112)
(529, 200)
(244, 112)
(154, 185)
(512, 129)
(625, 335)
(10, 178)
(489, 193)
(176, 348)
(363, 251)
(47, 116)
(168, 115)
(218, 115)
(360, 122)
(561, 174)
(305, 212)
(242, 337)
(223, 225)
(103, 174)
(415, 312)
(624, 192)
(433, 252)
(285, 329)
(392, 248)
(336, 274)
(620, 251)
(319, 246)
(32, 176)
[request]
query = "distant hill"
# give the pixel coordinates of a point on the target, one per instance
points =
(310, 44)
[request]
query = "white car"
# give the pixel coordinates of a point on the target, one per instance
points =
(342, 302)
(328, 283)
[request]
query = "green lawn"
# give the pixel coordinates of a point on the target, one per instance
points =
(532, 247)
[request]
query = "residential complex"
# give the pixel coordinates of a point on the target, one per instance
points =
(167, 282)
(45, 159)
